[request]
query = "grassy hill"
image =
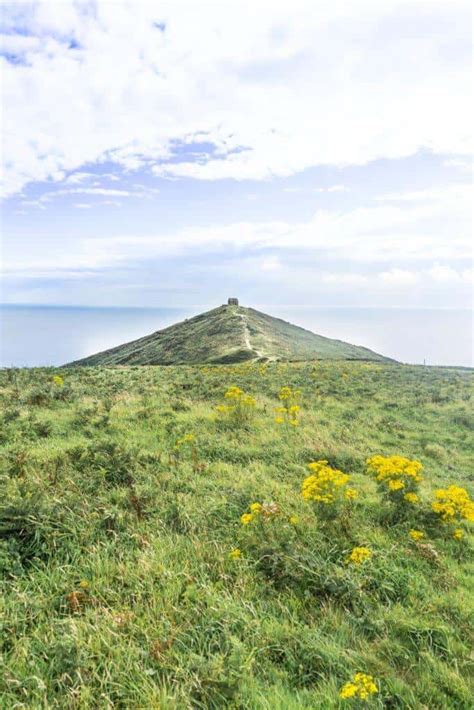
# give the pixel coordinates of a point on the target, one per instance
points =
(229, 334)
(130, 579)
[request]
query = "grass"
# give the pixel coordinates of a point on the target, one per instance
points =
(117, 585)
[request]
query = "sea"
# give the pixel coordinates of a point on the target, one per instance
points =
(34, 336)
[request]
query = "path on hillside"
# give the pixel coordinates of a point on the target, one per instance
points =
(247, 342)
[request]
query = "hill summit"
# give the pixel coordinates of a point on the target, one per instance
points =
(229, 334)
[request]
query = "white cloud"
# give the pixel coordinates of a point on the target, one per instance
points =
(345, 279)
(332, 188)
(79, 177)
(96, 191)
(380, 236)
(443, 273)
(399, 277)
(271, 263)
(462, 191)
(82, 205)
(276, 91)
(464, 165)
(34, 203)
(140, 191)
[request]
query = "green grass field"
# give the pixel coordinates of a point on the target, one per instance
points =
(129, 580)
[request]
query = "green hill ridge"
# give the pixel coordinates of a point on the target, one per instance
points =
(229, 334)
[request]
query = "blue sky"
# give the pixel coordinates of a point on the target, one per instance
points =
(174, 153)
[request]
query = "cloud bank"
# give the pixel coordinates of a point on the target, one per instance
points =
(267, 92)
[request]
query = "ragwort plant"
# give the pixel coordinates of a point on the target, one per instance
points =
(327, 488)
(239, 409)
(398, 480)
(289, 411)
(453, 506)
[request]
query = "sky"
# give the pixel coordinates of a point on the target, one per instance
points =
(177, 153)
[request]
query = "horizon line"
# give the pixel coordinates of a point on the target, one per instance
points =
(258, 305)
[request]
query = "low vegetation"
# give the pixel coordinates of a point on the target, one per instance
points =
(278, 536)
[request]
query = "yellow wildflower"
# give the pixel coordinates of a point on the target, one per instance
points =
(348, 691)
(233, 393)
(458, 534)
(325, 483)
(453, 504)
(416, 534)
(386, 467)
(400, 475)
(235, 554)
(351, 494)
(262, 511)
(290, 411)
(361, 686)
(293, 519)
(58, 380)
(240, 407)
(359, 555)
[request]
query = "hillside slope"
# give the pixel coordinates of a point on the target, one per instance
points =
(229, 334)
(128, 578)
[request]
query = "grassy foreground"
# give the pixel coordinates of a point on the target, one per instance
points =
(129, 580)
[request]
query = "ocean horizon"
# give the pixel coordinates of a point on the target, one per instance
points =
(52, 335)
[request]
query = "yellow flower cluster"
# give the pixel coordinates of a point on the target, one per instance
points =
(362, 686)
(290, 409)
(359, 555)
(58, 380)
(260, 511)
(453, 504)
(399, 476)
(239, 395)
(235, 554)
(288, 414)
(325, 483)
(286, 393)
(241, 404)
(416, 535)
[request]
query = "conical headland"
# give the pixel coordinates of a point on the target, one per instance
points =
(230, 333)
